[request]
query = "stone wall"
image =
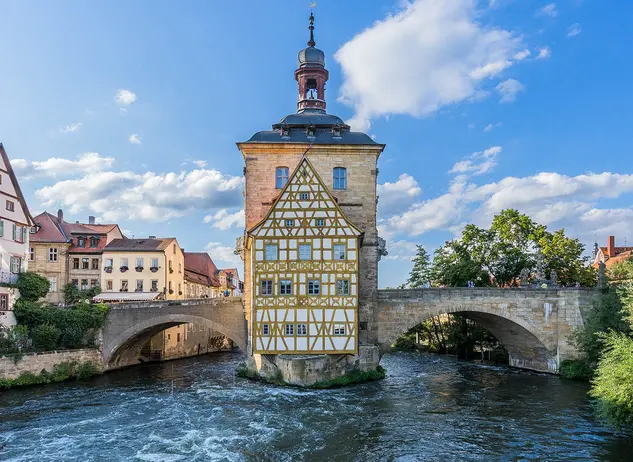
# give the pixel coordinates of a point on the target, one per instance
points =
(35, 362)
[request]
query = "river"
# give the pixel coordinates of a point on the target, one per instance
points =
(428, 408)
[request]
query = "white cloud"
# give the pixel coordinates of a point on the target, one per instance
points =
(401, 193)
(491, 127)
(125, 97)
(521, 55)
(549, 10)
(471, 126)
(88, 162)
(134, 139)
(509, 89)
(430, 54)
(71, 128)
(401, 250)
(544, 53)
(479, 162)
(224, 220)
(574, 30)
(200, 163)
(223, 256)
(149, 196)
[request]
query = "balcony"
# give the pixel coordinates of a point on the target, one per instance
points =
(7, 277)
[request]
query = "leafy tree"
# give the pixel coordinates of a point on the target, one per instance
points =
(32, 286)
(73, 295)
(564, 256)
(45, 337)
(421, 271)
(453, 266)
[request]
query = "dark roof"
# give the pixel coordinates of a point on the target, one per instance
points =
(139, 244)
(201, 264)
(322, 137)
(16, 185)
(48, 229)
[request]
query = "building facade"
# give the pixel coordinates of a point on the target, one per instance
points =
(230, 283)
(610, 255)
(15, 224)
(142, 269)
(345, 164)
(200, 276)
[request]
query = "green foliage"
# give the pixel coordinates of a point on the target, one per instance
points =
(61, 372)
(613, 384)
(406, 342)
(32, 286)
(453, 266)
(12, 339)
(353, 377)
(575, 369)
(45, 337)
(73, 295)
(421, 272)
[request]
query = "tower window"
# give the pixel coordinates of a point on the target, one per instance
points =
(281, 177)
(340, 178)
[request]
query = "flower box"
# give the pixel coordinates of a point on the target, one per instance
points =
(124, 269)
(171, 291)
(139, 268)
(107, 269)
(153, 269)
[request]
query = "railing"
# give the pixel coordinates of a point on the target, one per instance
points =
(7, 277)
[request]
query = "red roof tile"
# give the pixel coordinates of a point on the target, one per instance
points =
(49, 229)
(202, 264)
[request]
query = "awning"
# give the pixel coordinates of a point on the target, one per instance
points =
(125, 296)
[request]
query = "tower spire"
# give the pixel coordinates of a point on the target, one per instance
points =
(311, 42)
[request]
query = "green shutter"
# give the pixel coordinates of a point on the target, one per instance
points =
(15, 232)
(1, 228)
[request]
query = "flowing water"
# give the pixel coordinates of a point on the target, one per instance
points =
(428, 408)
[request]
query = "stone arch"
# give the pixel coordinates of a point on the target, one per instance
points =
(527, 345)
(132, 339)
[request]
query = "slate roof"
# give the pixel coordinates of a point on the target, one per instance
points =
(139, 244)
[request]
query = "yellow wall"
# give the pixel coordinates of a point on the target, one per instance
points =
(48, 269)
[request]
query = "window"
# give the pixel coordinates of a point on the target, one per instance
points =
(302, 329)
(339, 251)
(31, 254)
(84, 284)
(314, 287)
(281, 177)
(178, 337)
(339, 329)
(94, 282)
(75, 282)
(123, 286)
(285, 287)
(18, 233)
(1, 227)
(33, 229)
(10, 206)
(139, 285)
(109, 284)
(320, 222)
(52, 281)
(95, 263)
(109, 263)
(139, 262)
(94, 242)
(305, 252)
(16, 264)
(271, 252)
(266, 288)
(304, 196)
(154, 262)
(154, 285)
(340, 178)
(290, 223)
(124, 262)
(265, 329)
(180, 267)
(173, 247)
(81, 242)
(52, 254)
(85, 263)
(75, 263)
(4, 302)
(342, 287)
(169, 287)
(289, 329)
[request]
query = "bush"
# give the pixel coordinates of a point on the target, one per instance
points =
(87, 369)
(32, 286)
(353, 377)
(45, 337)
(61, 372)
(72, 338)
(405, 342)
(575, 369)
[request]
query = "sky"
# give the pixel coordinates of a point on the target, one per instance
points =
(130, 111)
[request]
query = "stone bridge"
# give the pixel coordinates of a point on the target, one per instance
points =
(534, 325)
(130, 325)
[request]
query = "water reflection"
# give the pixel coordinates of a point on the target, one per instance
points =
(428, 408)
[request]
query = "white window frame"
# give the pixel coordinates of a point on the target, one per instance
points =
(109, 284)
(290, 223)
(320, 222)
(271, 252)
(139, 262)
(289, 329)
(154, 262)
(53, 284)
(314, 287)
(342, 284)
(265, 330)
(304, 196)
(339, 329)
(52, 254)
(302, 329)
(15, 264)
(281, 177)
(266, 287)
(125, 286)
(336, 251)
(285, 287)
(303, 249)
(31, 253)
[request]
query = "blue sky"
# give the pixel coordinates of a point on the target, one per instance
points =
(130, 110)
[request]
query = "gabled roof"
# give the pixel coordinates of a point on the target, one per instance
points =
(16, 186)
(231, 272)
(139, 244)
(321, 204)
(49, 229)
(200, 265)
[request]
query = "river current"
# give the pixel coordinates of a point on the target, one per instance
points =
(428, 408)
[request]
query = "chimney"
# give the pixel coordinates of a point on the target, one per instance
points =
(60, 215)
(91, 220)
(152, 237)
(611, 247)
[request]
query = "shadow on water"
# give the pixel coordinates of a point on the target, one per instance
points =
(428, 408)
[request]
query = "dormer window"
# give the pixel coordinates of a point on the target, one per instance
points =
(94, 242)
(336, 131)
(285, 131)
(311, 130)
(81, 242)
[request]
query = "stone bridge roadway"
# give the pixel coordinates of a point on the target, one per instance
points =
(533, 324)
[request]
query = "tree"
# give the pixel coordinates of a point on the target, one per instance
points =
(421, 271)
(32, 286)
(564, 256)
(453, 266)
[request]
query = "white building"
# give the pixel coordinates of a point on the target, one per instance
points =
(15, 223)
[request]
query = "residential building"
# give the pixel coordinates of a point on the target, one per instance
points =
(87, 243)
(611, 254)
(142, 269)
(230, 284)
(49, 252)
(200, 276)
(15, 222)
